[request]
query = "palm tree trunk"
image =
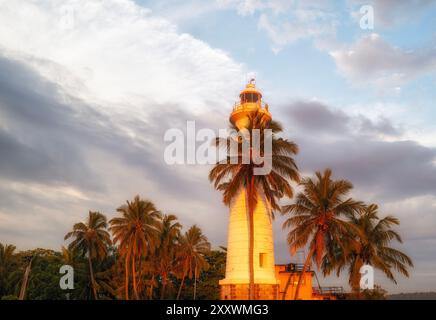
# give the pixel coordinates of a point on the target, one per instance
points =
(181, 285)
(251, 258)
(91, 274)
(164, 285)
(151, 288)
(140, 284)
(250, 196)
(195, 281)
(25, 281)
(309, 257)
(135, 289)
(355, 278)
(126, 280)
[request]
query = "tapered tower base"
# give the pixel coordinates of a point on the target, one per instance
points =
(235, 286)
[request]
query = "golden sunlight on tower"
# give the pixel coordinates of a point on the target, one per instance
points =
(251, 101)
(270, 281)
(236, 283)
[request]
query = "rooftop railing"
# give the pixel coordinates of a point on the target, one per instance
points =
(328, 290)
(295, 267)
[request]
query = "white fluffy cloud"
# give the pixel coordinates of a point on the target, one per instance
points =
(87, 89)
(372, 60)
(117, 52)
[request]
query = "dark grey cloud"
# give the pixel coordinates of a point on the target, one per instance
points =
(50, 140)
(47, 140)
(37, 134)
(315, 117)
(383, 126)
(391, 169)
(398, 174)
(350, 145)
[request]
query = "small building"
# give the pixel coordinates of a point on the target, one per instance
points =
(309, 289)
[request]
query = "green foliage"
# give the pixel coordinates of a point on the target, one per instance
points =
(9, 297)
(8, 263)
(43, 283)
(208, 288)
(378, 293)
(171, 264)
(44, 277)
(156, 265)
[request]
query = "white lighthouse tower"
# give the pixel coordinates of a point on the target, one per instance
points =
(235, 285)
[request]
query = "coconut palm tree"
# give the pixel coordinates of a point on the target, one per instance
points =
(8, 262)
(234, 173)
(370, 247)
(194, 246)
(136, 233)
(169, 233)
(91, 239)
(71, 256)
(316, 217)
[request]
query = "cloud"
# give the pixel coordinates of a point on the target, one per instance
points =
(37, 139)
(397, 174)
(87, 90)
(62, 157)
(286, 22)
(118, 54)
(357, 148)
(373, 61)
(287, 32)
(183, 13)
(316, 117)
(390, 13)
(391, 169)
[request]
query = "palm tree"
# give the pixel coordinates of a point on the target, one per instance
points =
(193, 248)
(8, 262)
(234, 173)
(316, 216)
(91, 239)
(73, 258)
(169, 233)
(371, 247)
(70, 256)
(136, 233)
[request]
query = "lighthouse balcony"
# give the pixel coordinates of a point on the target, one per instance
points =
(240, 113)
(250, 106)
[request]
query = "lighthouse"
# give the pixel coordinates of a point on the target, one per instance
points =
(235, 285)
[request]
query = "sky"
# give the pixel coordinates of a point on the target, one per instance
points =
(88, 89)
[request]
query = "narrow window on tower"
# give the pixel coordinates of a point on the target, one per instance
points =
(262, 259)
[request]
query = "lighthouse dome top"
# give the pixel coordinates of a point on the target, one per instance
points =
(250, 91)
(250, 102)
